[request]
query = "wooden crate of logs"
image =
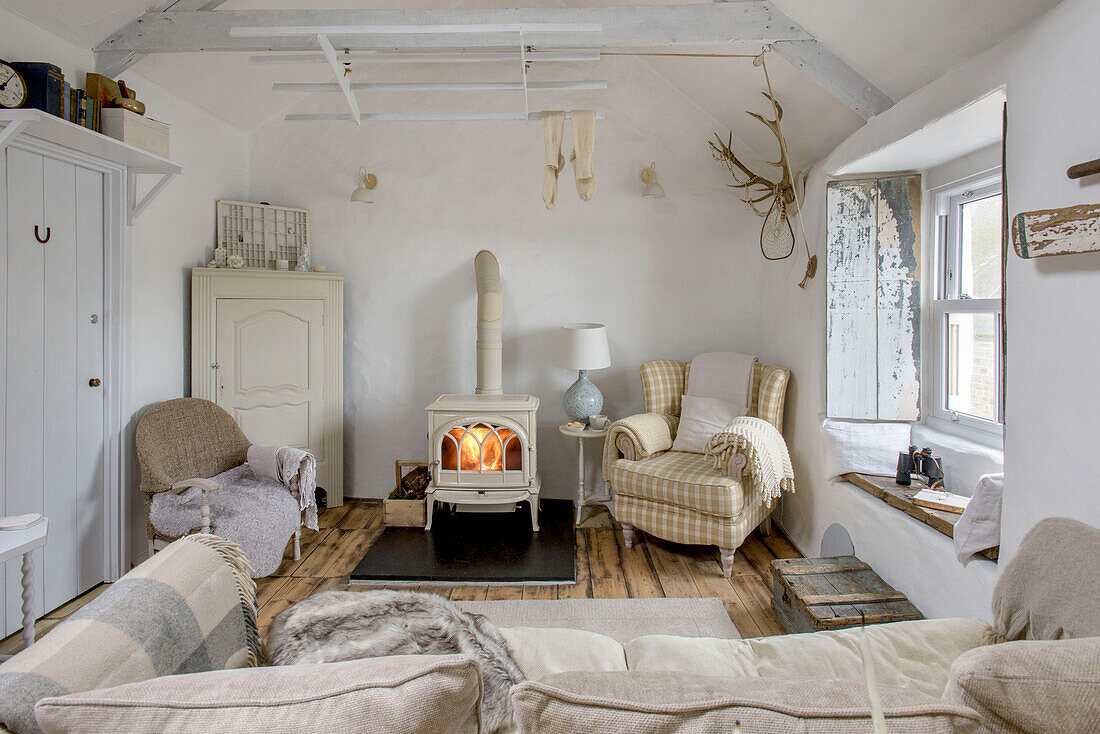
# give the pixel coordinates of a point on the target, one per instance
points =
(814, 594)
(406, 507)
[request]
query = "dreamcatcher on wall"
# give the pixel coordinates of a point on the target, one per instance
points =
(775, 201)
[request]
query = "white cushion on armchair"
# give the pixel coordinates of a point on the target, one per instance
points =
(701, 418)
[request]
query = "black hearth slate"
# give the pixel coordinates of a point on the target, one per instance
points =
(477, 548)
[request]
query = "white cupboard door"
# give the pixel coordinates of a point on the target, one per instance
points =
(270, 356)
(25, 359)
(53, 417)
(91, 527)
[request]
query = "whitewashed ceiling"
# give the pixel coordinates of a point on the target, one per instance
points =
(899, 45)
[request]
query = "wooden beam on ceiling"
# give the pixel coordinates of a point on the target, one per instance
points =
(744, 21)
(112, 64)
(828, 70)
(834, 76)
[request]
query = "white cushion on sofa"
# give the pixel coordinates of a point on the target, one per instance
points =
(917, 654)
(543, 651)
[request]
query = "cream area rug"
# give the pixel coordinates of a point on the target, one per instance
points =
(619, 619)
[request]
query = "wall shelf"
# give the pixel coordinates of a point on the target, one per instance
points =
(42, 125)
(52, 129)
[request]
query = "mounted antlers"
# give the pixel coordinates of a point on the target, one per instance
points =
(757, 188)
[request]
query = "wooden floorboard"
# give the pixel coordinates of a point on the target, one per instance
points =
(605, 567)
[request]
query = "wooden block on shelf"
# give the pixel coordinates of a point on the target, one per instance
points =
(136, 130)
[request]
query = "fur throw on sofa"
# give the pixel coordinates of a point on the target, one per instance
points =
(345, 625)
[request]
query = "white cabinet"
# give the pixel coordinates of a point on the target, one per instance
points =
(268, 347)
(52, 371)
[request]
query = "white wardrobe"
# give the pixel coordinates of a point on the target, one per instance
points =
(267, 346)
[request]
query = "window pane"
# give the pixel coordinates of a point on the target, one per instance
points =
(980, 241)
(973, 385)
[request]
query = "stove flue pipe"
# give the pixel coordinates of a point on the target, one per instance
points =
(490, 319)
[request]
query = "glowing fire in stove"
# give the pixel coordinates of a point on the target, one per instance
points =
(481, 448)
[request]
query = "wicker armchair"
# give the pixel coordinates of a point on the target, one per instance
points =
(679, 496)
(181, 444)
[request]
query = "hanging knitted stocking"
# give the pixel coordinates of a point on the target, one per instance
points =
(584, 142)
(553, 123)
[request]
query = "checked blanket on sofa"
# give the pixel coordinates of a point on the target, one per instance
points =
(190, 608)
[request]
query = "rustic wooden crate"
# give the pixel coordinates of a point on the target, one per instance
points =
(404, 513)
(814, 594)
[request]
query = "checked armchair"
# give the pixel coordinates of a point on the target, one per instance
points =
(680, 496)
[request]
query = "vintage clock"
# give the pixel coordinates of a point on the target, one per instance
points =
(13, 87)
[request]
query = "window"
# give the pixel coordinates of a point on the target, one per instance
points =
(965, 329)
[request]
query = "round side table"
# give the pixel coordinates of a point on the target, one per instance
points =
(583, 500)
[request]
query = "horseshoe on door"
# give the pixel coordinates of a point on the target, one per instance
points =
(39, 238)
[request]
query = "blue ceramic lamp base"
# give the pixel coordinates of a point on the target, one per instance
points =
(583, 399)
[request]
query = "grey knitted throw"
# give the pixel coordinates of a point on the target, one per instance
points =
(260, 515)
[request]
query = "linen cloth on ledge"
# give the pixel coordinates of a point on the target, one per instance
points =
(256, 513)
(980, 525)
(283, 463)
(769, 463)
(725, 376)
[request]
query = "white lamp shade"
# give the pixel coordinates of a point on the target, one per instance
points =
(362, 194)
(583, 347)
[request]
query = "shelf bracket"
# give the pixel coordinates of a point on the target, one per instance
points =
(137, 207)
(10, 131)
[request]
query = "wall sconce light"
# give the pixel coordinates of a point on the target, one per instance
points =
(363, 192)
(652, 190)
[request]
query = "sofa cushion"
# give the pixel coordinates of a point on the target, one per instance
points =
(543, 651)
(1047, 592)
(189, 608)
(679, 478)
(1031, 686)
(916, 654)
(595, 703)
(420, 694)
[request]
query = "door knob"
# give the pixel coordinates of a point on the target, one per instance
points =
(94, 382)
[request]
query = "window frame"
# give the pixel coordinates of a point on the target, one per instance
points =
(945, 299)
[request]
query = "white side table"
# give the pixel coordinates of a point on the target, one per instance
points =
(21, 543)
(582, 499)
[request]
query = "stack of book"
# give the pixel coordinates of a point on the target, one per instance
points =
(49, 92)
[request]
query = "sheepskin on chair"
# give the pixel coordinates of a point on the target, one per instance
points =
(346, 625)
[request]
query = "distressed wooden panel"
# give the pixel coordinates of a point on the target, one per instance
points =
(873, 299)
(1057, 231)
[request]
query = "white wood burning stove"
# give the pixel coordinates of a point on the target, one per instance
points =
(482, 448)
(483, 453)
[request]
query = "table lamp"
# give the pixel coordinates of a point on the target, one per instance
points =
(583, 347)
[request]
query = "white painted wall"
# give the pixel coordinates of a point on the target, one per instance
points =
(1049, 72)
(670, 277)
(172, 235)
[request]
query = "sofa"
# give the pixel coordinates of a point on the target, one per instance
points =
(1036, 669)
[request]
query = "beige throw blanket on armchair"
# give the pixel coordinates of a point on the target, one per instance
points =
(769, 462)
(651, 433)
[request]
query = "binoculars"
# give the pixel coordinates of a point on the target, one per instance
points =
(923, 463)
